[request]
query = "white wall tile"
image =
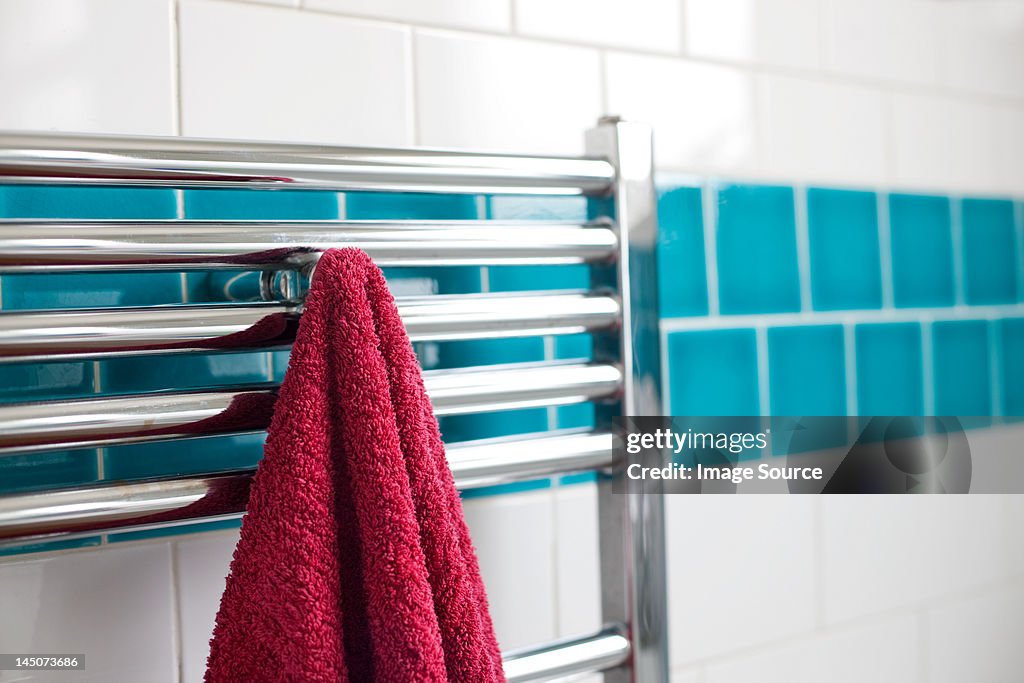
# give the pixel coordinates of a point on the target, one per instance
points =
(514, 539)
(703, 115)
(1009, 135)
(977, 639)
(113, 604)
(491, 15)
(641, 24)
(202, 564)
(881, 652)
(889, 40)
(882, 552)
(982, 50)
(942, 143)
(1013, 533)
(686, 676)
(814, 130)
(577, 554)
(770, 32)
(742, 572)
(100, 66)
(505, 94)
(269, 73)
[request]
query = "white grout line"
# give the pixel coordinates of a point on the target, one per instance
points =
(956, 216)
(995, 364)
(709, 199)
(552, 411)
(412, 126)
(176, 628)
(763, 397)
(101, 453)
(928, 367)
(342, 205)
(666, 394)
(818, 550)
(885, 249)
(918, 315)
(602, 67)
(922, 644)
(850, 362)
(176, 113)
(803, 247)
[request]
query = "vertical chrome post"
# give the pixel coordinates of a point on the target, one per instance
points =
(632, 524)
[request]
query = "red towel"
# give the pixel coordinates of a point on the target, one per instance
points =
(354, 562)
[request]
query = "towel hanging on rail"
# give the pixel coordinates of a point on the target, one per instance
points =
(354, 561)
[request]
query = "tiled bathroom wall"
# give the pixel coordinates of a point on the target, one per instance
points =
(818, 301)
(913, 96)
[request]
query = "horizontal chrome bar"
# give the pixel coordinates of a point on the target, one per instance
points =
(158, 416)
(562, 659)
(46, 246)
(157, 503)
(89, 333)
(196, 163)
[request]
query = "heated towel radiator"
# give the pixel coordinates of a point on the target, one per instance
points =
(620, 311)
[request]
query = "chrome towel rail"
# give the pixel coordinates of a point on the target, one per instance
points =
(66, 514)
(620, 310)
(159, 416)
(565, 659)
(106, 332)
(45, 246)
(179, 162)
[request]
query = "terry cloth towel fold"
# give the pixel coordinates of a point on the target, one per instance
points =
(354, 561)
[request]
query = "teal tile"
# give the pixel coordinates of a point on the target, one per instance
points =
(1011, 346)
(756, 246)
(399, 205)
(146, 373)
(960, 361)
(922, 251)
(518, 207)
(40, 381)
(989, 251)
(533, 278)
(86, 290)
(35, 471)
(807, 370)
(49, 546)
(682, 274)
(28, 201)
(578, 478)
(461, 354)
(412, 206)
(525, 278)
(183, 456)
(260, 205)
(456, 428)
(201, 527)
(443, 280)
(91, 289)
(574, 347)
(223, 286)
(842, 230)
(713, 372)
(889, 372)
(575, 416)
(490, 352)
